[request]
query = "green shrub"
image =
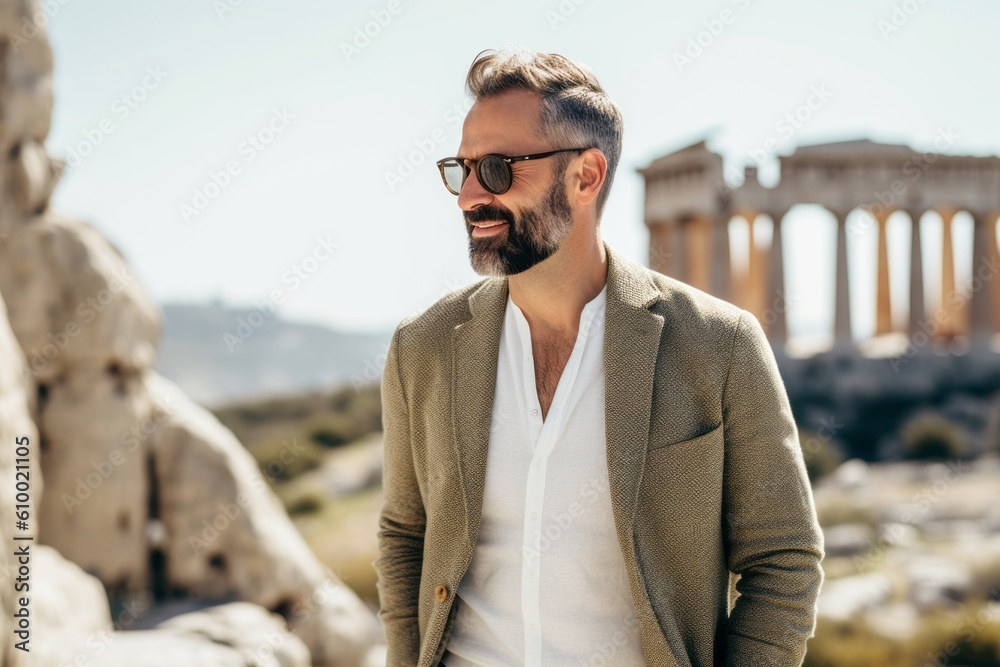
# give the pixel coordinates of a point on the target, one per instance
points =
(305, 503)
(282, 460)
(971, 639)
(331, 429)
(821, 455)
(930, 436)
(853, 643)
(846, 510)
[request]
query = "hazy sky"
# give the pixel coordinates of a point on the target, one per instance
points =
(152, 99)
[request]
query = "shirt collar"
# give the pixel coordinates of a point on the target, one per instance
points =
(590, 309)
(597, 301)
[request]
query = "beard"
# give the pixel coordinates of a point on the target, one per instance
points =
(527, 239)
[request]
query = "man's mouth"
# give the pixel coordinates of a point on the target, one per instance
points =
(487, 229)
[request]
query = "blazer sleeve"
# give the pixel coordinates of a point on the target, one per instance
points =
(401, 521)
(774, 541)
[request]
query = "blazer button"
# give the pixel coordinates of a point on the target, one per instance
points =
(440, 592)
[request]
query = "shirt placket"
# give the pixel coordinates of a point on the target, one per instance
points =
(544, 435)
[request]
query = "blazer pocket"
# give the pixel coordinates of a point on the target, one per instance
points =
(705, 439)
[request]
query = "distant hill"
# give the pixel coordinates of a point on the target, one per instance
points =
(218, 354)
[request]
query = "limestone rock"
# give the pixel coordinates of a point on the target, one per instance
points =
(354, 468)
(249, 629)
(26, 103)
(168, 648)
(376, 657)
(95, 428)
(68, 607)
(851, 473)
(848, 539)
(936, 581)
(146, 490)
(228, 535)
(34, 176)
(14, 423)
(845, 597)
(73, 301)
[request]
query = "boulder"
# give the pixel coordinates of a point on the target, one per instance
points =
(69, 609)
(15, 424)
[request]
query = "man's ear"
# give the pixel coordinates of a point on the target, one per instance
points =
(589, 175)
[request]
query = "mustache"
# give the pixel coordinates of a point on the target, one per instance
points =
(488, 212)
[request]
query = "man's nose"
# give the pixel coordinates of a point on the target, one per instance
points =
(473, 193)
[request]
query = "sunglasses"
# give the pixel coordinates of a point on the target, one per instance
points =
(493, 170)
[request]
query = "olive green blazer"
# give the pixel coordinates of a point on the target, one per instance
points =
(707, 479)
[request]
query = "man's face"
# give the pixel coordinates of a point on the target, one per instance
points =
(512, 232)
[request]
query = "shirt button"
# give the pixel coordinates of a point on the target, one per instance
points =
(532, 627)
(531, 574)
(534, 413)
(533, 516)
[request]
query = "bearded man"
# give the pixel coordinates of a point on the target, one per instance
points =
(582, 455)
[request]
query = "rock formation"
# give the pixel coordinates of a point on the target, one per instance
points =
(144, 490)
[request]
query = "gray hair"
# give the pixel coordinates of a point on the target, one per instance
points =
(575, 109)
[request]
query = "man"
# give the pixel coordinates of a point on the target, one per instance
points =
(581, 454)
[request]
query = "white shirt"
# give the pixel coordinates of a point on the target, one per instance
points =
(547, 584)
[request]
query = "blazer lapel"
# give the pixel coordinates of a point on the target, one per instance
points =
(475, 352)
(631, 346)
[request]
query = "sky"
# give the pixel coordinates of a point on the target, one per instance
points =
(281, 155)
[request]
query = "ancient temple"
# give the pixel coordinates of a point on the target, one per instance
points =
(689, 208)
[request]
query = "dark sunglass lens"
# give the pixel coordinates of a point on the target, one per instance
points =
(453, 175)
(494, 173)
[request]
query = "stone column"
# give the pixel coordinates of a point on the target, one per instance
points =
(662, 239)
(721, 281)
(776, 304)
(756, 270)
(842, 309)
(950, 306)
(883, 302)
(917, 314)
(681, 250)
(983, 278)
(699, 253)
